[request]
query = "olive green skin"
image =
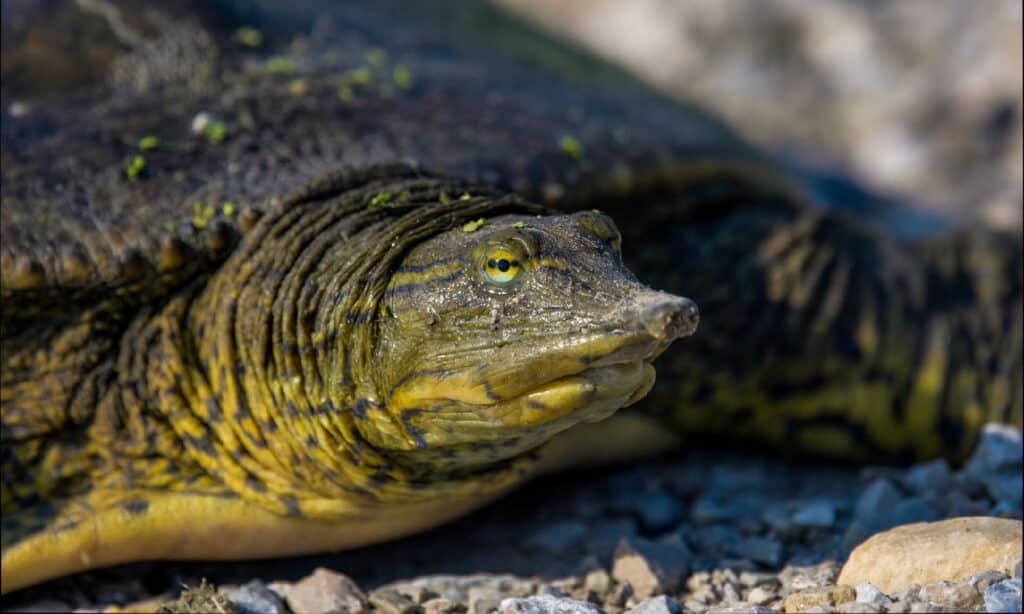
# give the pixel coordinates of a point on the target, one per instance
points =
(824, 329)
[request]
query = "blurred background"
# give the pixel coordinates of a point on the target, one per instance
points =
(918, 98)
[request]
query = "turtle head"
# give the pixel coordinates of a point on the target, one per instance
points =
(389, 344)
(499, 334)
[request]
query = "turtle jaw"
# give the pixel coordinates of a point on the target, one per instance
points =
(522, 395)
(588, 396)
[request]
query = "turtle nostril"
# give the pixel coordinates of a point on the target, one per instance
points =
(671, 318)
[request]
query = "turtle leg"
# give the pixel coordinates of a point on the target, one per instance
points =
(822, 334)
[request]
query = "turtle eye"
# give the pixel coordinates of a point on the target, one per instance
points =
(501, 267)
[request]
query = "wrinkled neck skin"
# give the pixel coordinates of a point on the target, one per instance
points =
(407, 340)
(283, 380)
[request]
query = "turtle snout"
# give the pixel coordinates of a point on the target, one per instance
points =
(670, 317)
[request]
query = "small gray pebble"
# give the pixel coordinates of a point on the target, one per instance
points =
(730, 592)
(998, 451)
(546, 604)
(695, 605)
(1004, 596)
(759, 595)
(859, 607)
(803, 577)
(930, 477)
(878, 498)
(327, 591)
(740, 608)
(440, 605)
(603, 536)
(754, 578)
(659, 512)
(907, 593)
(913, 509)
(256, 598)
(869, 593)
(621, 594)
(957, 503)
(1004, 488)
(458, 588)
(753, 526)
(598, 581)
(738, 564)
(717, 541)
(650, 567)
(855, 534)
(1006, 509)
(981, 581)
(676, 541)
(927, 607)
(815, 514)
(387, 600)
(763, 550)
(550, 591)
(736, 477)
(662, 604)
(779, 519)
(483, 600)
(961, 594)
(706, 511)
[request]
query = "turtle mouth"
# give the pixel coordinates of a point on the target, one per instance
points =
(531, 403)
(530, 391)
(589, 396)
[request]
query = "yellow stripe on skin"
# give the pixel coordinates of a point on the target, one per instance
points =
(922, 404)
(437, 270)
(860, 401)
(463, 387)
(550, 263)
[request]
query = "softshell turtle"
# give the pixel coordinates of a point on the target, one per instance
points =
(273, 281)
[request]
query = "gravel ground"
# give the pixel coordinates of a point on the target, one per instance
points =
(701, 531)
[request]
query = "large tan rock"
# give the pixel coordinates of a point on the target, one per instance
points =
(927, 552)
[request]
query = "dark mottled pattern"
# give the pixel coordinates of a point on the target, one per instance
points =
(829, 335)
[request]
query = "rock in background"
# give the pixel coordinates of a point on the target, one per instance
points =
(921, 98)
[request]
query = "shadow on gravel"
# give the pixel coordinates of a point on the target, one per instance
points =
(555, 527)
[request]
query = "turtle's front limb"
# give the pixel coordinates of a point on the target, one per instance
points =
(142, 494)
(821, 333)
